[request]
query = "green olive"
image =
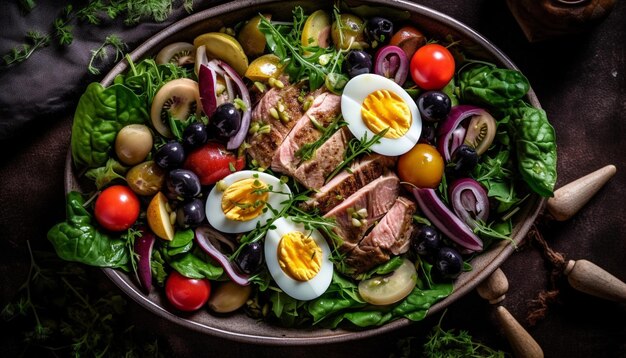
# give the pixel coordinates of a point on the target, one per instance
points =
(251, 39)
(348, 33)
(145, 178)
(133, 144)
(229, 297)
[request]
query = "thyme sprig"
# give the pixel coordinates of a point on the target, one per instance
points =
(307, 151)
(356, 148)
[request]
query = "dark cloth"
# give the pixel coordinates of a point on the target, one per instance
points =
(579, 80)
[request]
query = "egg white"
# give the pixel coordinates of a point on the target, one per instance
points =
(355, 92)
(218, 219)
(300, 290)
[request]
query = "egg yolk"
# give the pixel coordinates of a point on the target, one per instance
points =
(299, 256)
(244, 199)
(384, 109)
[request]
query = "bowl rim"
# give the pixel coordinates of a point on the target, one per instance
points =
(493, 258)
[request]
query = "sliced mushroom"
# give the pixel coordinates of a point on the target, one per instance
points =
(178, 98)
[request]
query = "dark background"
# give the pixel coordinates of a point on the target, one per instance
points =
(580, 81)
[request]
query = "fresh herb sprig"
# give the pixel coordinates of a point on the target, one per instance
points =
(312, 63)
(307, 151)
(441, 343)
(101, 53)
(356, 148)
(62, 310)
(93, 12)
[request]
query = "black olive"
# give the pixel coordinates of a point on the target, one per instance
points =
(190, 213)
(434, 105)
(428, 133)
(195, 135)
(379, 29)
(171, 155)
(183, 183)
(250, 258)
(357, 63)
(226, 120)
(463, 160)
(427, 241)
(449, 262)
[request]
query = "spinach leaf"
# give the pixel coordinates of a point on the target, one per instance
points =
(287, 309)
(387, 267)
(78, 240)
(196, 265)
(490, 86)
(100, 114)
(535, 146)
(182, 242)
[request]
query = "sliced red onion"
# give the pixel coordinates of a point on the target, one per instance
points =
(229, 86)
(235, 141)
(445, 220)
(391, 62)
(207, 82)
(469, 201)
(446, 143)
(209, 241)
(143, 249)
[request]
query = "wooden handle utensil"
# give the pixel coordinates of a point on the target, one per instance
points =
(494, 290)
(587, 277)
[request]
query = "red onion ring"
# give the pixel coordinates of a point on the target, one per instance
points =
(446, 129)
(445, 220)
(469, 201)
(208, 240)
(391, 61)
(235, 141)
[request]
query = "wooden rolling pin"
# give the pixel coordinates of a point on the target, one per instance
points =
(494, 289)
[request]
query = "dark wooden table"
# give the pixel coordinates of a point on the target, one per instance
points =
(580, 81)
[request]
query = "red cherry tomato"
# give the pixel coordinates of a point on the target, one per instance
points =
(117, 208)
(187, 294)
(212, 162)
(432, 67)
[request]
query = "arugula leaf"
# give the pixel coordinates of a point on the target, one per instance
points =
(302, 62)
(307, 151)
(357, 147)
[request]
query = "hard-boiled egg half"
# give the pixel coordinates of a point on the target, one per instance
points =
(298, 259)
(370, 103)
(241, 200)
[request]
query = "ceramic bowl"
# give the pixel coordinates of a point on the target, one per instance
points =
(239, 327)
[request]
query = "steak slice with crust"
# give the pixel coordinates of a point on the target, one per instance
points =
(263, 146)
(328, 156)
(391, 236)
(347, 182)
(324, 109)
(376, 198)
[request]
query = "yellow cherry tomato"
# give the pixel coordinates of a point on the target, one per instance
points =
(421, 166)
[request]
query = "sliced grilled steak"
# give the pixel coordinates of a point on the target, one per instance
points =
(328, 156)
(325, 108)
(347, 182)
(391, 236)
(263, 146)
(376, 198)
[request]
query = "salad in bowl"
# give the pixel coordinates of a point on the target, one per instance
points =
(328, 167)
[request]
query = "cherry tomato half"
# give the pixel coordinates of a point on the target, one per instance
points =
(421, 166)
(432, 66)
(187, 294)
(212, 162)
(117, 208)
